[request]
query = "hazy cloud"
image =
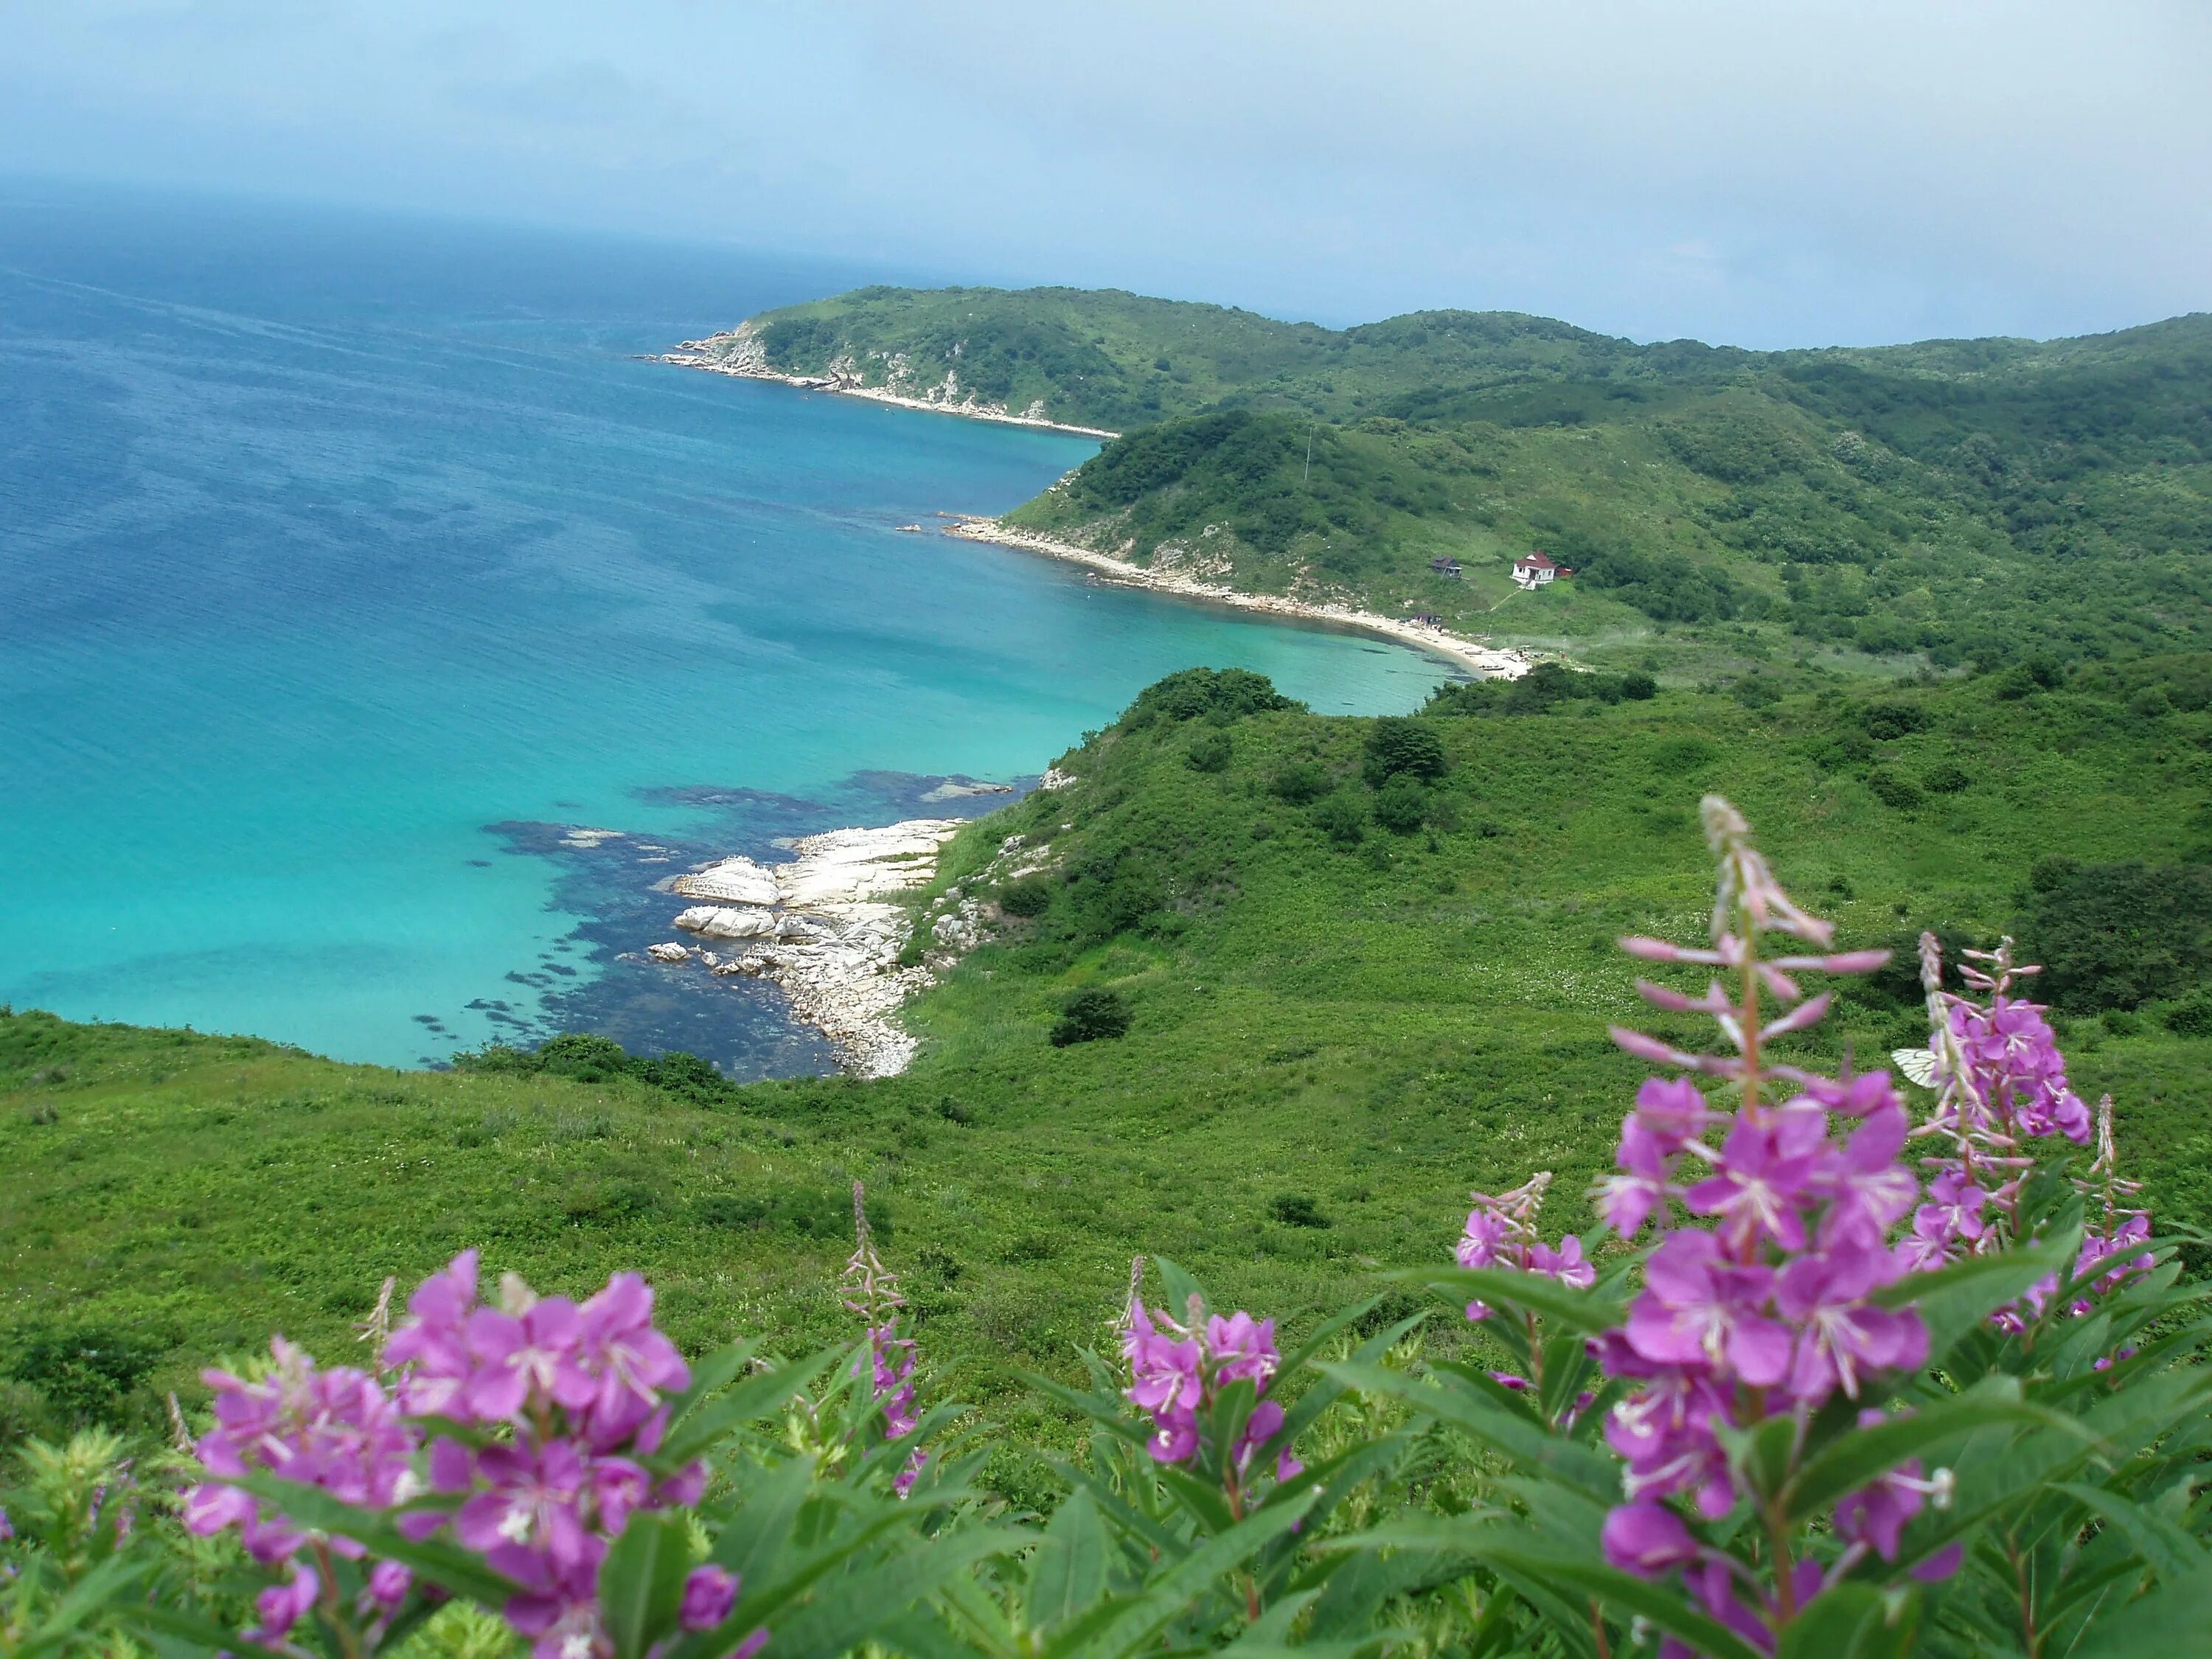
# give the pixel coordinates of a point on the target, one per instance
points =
(1741, 170)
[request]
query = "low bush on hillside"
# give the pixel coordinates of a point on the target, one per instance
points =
(1842, 1361)
(1090, 1016)
(2120, 935)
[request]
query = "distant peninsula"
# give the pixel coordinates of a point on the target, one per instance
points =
(1529, 486)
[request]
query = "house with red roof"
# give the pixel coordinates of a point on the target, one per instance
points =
(1533, 570)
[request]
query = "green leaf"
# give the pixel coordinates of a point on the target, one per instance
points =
(1068, 1573)
(2171, 1620)
(1181, 1288)
(754, 1538)
(1959, 1299)
(759, 1396)
(641, 1581)
(1110, 1411)
(1164, 1601)
(1853, 1621)
(1527, 1443)
(852, 1607)
(1328, 1327)
(1860, 1457)
(1611, 1589)
(1586, 1312)
(2171, 1553)
(714, 1373)
(459, 1571)
(1326, 1391)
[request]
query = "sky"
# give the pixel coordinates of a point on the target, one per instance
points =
(1758, 173)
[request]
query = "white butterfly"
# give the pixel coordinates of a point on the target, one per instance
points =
(1917, 1064)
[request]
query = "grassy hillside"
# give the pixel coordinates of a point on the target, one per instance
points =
(1955, 500)
(1337, 1028)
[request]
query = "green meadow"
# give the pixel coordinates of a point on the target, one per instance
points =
(1365, 967)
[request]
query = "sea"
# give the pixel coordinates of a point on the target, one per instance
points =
(355, 570)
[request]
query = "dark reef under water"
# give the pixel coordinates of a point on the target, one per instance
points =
(597, 979)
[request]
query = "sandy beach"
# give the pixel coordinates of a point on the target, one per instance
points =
(1490, 661)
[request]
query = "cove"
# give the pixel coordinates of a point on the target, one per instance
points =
(347, 563)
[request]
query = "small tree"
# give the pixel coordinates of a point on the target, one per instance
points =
(1399, 746)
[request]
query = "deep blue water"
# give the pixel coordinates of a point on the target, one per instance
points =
(344, 561)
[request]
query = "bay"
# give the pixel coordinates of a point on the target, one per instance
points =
(349, 564)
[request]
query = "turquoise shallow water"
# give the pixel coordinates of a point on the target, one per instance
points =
(341, 559)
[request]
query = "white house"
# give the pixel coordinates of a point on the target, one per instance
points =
(1533, 570)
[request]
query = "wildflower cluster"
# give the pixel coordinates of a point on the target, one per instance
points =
(521, 1425)
(870, 1291)
(1501, 1232)
(1179, 1371)
(1770, 1311)
(338, 1429)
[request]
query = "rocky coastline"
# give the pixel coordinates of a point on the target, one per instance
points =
(826, 926)
(1491, 662)
(738, 352)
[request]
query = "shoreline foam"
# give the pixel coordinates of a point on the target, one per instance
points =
(1491, 662)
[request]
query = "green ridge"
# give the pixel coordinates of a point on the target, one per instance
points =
(1954, 501)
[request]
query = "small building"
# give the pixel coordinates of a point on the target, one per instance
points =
(1446, 567)
(1427, 619)
(1533, 570)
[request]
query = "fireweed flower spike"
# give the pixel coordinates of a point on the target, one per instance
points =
(1769, 1312)
(2000, 1083)
(1177, 1370)
(870, 1291)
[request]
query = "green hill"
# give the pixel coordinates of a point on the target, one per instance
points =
(1348, 1002)
(1956, 501)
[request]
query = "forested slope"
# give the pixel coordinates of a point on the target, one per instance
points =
(1956, 501)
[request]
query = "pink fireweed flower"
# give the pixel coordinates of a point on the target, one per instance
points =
(1762, 1183)
(629, 1363)
(1501, 1232)
(708, 1594)
(282, 1606)
(336, 1429)
(1698, 1309)
(1647, 1538)
(521, 1358)
(1868, 1190)
(1841, 1337)
(1177, 1371)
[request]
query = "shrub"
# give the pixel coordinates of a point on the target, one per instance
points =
(1342, 817)
(1296, 1210)
(1678, 755)
(1398, 746)
(1402, 805)
(2120, 935)
(1893, 789)
(1299, 783)
(1948, 778)
(1194, 693)
(2190, 1018)
(87, 1374)
(1886, 721)
(1209, 752)
(587, 1058)
(1089, 1016)
(1031, 896)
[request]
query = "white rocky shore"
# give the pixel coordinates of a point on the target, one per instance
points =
(1493, 662)
(824, 927)
(739, 351)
